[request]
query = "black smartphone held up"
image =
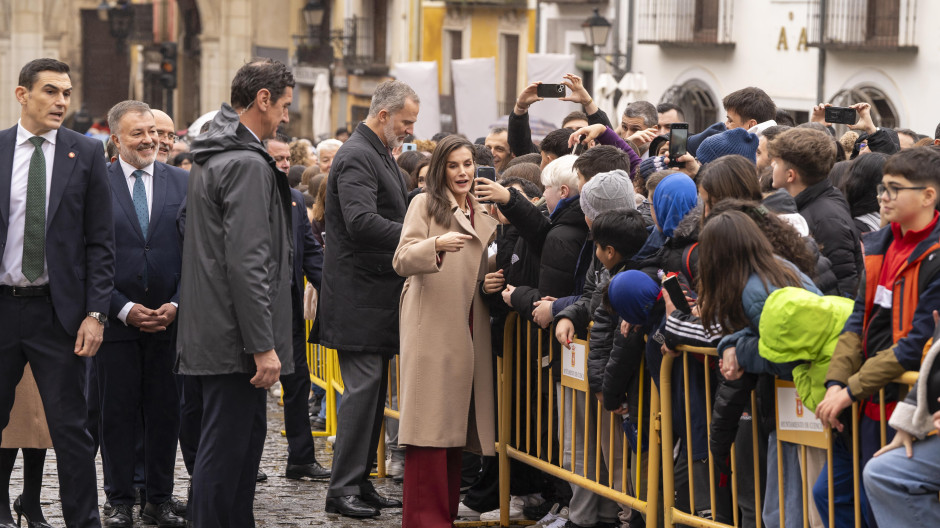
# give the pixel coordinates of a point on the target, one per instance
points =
(671, 284)
(579, 147)
(678, 139)
(485, 172)
(842, 115)
(550, 90)
(406, 147)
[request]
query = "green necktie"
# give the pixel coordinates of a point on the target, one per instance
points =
(34, 232)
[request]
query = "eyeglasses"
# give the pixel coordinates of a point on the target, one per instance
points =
(169, 135)
(893, 190)
(862, 145)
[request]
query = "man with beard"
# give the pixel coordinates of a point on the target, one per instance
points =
(358, 315)
(135, 362)
(166, 135)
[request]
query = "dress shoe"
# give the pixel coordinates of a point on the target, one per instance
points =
(262, 476)
(372, 498)
(350, 506)
(18, 509)
(312, 471)
(178, 507)
(122, 516)
(162, 515)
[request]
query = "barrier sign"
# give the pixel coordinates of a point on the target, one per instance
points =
(796, 423)
(574, 365)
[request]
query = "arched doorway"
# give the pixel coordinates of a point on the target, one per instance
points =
(883, 112)
(697, 102)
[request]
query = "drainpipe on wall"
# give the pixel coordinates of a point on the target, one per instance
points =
(821, 65)
(630, 27)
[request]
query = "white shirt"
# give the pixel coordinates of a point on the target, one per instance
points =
(148, 188)
(11, 267)
(131, 180)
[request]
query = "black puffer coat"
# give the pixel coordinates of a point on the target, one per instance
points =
(827, 214)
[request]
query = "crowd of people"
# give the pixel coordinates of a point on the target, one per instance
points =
(182, 273)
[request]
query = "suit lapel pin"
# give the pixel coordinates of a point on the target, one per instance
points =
(71, 154)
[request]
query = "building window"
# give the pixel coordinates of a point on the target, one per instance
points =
(883, 112)
(453, 50)
(864, 24)
(697, 102)
(685, 22)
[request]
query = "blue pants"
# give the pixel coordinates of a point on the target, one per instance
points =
(869, 437)
(903, 491)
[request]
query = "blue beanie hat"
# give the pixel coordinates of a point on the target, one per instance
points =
(734, 141)
(673, 198)
(694, 141)
(632, 295)
(651, 165)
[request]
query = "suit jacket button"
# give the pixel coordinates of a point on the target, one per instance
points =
(146, 248)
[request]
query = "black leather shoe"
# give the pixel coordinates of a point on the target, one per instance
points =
(122, 516)
(178, 507)
(372, 498)
(312, 471)
(318, 424)
(350, 506)
(262, 476)
(162, 515)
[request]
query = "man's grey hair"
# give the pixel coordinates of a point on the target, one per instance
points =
(391, 96)
(497, 130)
(645, 110)
(119, 110)
(328, 144)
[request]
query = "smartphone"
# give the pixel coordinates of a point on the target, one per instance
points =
(405, 147)
(678, 139)
(841, 114)
(579, 147)
(550, 90)
(485, 172)
(671, 284)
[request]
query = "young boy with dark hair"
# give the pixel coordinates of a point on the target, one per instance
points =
(892, 320)
(602, 158)
(748, 107)
(801, 159)
(554, 146)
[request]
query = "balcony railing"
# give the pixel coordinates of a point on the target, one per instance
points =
(886, 25)
(685, 22)
(355, 44)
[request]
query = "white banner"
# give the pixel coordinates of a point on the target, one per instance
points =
(792, 414)
(422, 78)
(550, 68)
(474, 95)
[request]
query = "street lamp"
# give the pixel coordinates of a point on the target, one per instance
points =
(596, 29)
(313, 13)
(120, 18)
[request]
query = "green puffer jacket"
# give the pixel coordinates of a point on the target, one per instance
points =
(798, 325)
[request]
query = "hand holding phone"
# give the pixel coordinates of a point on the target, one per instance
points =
(678, 141)
(551, 90)
(676, 295)
(841, 115)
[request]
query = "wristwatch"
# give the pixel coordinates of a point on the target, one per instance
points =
(98, 316)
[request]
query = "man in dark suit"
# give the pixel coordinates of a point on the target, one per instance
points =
(56, 272)
(234, 334)
(308, 262)
(358, 315)
(135, 363)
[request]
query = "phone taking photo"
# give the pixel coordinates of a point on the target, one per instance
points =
(579, 147)
(489, 173)
(842, 115)
(678, 143)
(676, 295)
(550, 90)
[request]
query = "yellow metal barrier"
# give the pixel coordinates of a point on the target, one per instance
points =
(524, 360)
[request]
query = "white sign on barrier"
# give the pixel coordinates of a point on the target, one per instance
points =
(793, 415)
(574, 363)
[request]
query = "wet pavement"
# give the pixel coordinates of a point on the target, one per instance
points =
(278, 501)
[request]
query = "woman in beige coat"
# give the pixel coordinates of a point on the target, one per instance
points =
(26, 430)
(446, 358)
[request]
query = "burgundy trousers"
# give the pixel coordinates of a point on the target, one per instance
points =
(431, 491)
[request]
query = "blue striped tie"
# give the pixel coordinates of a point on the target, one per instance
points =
(140, 202)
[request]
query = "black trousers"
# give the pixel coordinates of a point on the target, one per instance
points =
(233, 430)
(359, 421)
(296, 390)
(136, 378)
(190, 419)
(32, 334)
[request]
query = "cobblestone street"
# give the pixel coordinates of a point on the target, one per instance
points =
(278, 501)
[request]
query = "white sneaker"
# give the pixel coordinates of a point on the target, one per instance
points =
(558, 520)
(516, 504)
(394, 466)
(463, 512)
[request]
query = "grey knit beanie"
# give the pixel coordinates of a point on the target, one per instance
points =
(607, 191)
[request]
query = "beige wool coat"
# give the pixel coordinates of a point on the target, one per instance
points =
(447, 394)
(27, 426)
